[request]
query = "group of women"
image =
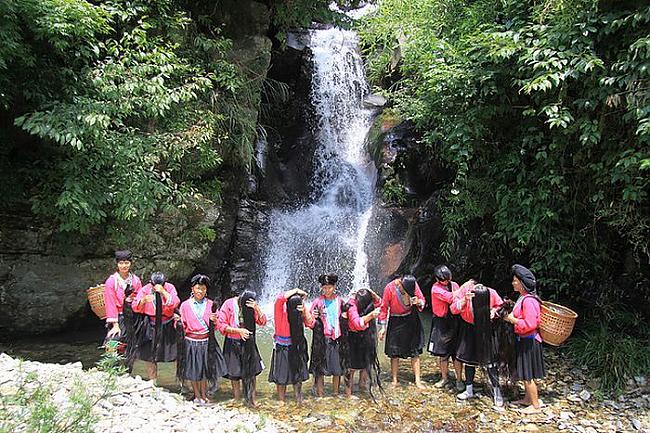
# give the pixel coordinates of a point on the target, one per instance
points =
(471, 324)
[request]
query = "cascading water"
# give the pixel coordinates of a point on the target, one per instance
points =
(327, 234)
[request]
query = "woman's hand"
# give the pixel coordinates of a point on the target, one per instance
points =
(148, 298)
(244, 333)
(251, 303)
(510, 318)
(114, 331)
(214, 317)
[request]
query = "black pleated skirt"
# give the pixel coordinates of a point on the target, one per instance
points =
(404, 336)
(332, 364)
(167, 351)
(443, 337)
(281, 373)
(196, 361)
(530, 359)
(467, 351)
(233, 351)
(362, 349)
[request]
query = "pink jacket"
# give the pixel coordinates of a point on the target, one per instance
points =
(149, 308)
(332, 330)
(441, 298)
(229, 316)
(527, 311)
(355, 320)
(114, 296)
(281, 318)
(466, 311)
(193, 324)
(392, 302)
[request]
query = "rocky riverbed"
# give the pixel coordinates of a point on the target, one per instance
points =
(572, 401)
(34, 394)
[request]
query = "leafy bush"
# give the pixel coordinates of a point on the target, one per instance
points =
(612, 355)
(542, 111)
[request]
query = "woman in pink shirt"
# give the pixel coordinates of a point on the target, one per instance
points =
(363, 309)
(157, 340)
(403, 299)
(528, 345)
(444, 326)
(289, 359)
(202, 356)
(326, 358)
(238, 320)
(120, 289)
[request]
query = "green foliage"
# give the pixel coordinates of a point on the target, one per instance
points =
(542, 110)
(394, 192)
(613, 355)
(133, 106)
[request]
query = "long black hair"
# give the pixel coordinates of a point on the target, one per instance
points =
(408, 283)
(157, 278)
(249, 351)
(318, 346)
(180, 349)
(344, 342)
(504, 333)
(365, 305)
(298, 348)
(482, 324)
(134, 324)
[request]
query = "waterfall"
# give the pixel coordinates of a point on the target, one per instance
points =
(326, 235)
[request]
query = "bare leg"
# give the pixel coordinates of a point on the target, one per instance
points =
(363, 380)
(320, 384)
(415, 363)
(394, 366)
(196, 390)
(152, 370)
(444, 368)
(203, 389)
(297, 390)
(348, 385)
(458, 367)
(236, 389)
(254, 397)
(336, 384)
(282, 389)
(531, 393)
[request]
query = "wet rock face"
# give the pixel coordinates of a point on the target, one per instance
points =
(44, 274)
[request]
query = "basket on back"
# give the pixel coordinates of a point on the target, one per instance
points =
(96, 300)
(556, 323)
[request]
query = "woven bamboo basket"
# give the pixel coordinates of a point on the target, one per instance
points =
(96, 300)
(556, 323)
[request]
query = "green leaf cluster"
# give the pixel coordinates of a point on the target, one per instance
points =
(127, 108)
(542, 110)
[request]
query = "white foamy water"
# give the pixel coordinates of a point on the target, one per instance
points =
(327, 234)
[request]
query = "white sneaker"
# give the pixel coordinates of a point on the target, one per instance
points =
(467, 394)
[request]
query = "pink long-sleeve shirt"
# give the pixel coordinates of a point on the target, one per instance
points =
(194, 326)
(392, 302)
(331, 330)
(527, 313)
(441, 297)
(282, 333)
(149, 308)
(229, 316)
(466, 311)
(355, 320)
(114, 295)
